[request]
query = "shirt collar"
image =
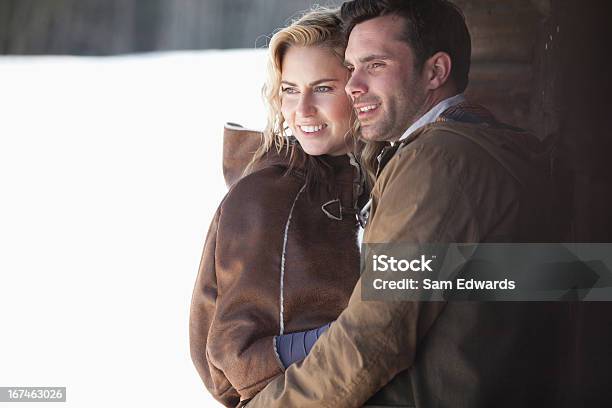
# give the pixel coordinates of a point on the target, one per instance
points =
(433, 114)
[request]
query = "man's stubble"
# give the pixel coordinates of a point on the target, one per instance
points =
(401, 111)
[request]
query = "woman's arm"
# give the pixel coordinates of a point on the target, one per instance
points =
(201, 314)
(235, 308)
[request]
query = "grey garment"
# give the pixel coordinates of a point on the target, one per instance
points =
(294, 347)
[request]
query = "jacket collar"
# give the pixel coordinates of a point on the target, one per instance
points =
(345, 187)
(454, 109)
(433, 114)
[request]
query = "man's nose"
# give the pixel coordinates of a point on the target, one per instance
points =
(306, 105)
(356, 86)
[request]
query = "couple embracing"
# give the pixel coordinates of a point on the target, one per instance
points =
(367, 117)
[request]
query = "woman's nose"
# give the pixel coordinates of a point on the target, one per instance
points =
(306, 106)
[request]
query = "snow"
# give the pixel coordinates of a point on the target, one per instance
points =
(110, 172)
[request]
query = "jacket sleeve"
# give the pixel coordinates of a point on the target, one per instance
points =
(232, 322)
(419, 199)
(202, 311)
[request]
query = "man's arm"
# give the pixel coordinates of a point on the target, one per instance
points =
(419, 198)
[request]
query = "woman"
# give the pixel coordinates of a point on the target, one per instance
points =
(281, 256)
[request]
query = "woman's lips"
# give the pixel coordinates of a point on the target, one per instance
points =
(312, 130)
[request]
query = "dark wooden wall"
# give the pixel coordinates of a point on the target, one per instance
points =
(501, 76)
(571, 104)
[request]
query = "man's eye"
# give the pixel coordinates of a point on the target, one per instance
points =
(323, 89)
(350, 68)
(289, 90)
(377, 65)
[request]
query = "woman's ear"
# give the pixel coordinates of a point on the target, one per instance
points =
(437, 69)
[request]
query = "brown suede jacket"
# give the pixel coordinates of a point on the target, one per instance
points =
(277, 259)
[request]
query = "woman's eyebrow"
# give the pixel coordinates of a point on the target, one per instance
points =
(313, 83)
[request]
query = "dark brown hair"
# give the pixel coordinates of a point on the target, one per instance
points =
(431, 26)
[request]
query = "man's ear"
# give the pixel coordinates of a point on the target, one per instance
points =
(437, 70)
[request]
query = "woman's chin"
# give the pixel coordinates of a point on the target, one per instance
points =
(320, 151)
(314, 150)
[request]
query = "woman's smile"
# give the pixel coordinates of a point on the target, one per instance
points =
(312, 130)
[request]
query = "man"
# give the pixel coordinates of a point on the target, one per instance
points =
(452, 174)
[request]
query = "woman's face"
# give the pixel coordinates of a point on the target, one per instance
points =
(313, 101)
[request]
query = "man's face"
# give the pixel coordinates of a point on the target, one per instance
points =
(388, 93)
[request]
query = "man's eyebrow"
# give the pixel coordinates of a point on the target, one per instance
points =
(313, 83)
(368, 59)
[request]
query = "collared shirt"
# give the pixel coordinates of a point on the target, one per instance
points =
(433, 114)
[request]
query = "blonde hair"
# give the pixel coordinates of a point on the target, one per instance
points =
(319, 27)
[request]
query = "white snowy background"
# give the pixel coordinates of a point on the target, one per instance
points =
(110, 171)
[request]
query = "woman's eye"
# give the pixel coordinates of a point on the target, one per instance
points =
(323, 89)
(289, 90)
